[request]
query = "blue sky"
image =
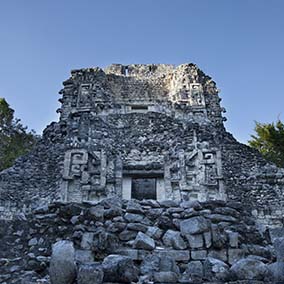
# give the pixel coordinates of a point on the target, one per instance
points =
(240, 43)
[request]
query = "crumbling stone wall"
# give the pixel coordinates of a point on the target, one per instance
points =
(167, 241)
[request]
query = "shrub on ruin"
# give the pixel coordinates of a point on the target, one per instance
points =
(15, 139)
(269, 141)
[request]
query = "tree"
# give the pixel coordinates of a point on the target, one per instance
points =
(15, 139)
(269, 141)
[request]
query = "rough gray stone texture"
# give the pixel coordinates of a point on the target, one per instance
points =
(101, 239)
(216, 269)
(142, 241)
(194, 225)
(194, 272)
(249, 269)
(173, 239)
(119, 268)
(62, 268)
(165, 277)
(279, 248)
(91, 273)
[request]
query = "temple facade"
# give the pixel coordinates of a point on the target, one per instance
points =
(141, 132)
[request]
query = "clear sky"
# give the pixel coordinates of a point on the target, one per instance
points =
(240, 43)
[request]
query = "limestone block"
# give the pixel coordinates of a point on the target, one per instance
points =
(96, 212)
(91, 273)
(233, 239)
(207, 239)
(279, 248)
(193, 273)
(132, 253)
(194, 225)
(154, 232)
(276, 271)
(165, 277)
(168, 264)
(134, 207)
(219, 254)
(235, 255)
(62, 268)
(137, 227)
(119, 268)
(249, 269)
(173, 239)
(221, 218)
(142, 241)
(84, 256)
(191, 204)
(150, 264)
(32, 242)
(198, 254)
(177, 255)
(87, 240)
(215, 269)
(127, 235)
(132, 218)
(218, 238)
(195, 241)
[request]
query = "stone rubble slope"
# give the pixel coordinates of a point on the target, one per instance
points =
(121, 241)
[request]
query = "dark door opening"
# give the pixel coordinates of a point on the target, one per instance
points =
(143, 188)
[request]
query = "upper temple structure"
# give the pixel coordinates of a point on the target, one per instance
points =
(142, 132)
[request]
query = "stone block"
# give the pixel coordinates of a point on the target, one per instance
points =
(177, 255)
(142, 241)
(173, 239)
(193, 273)
(127, 235)
(279, 248)
(198, 254)
(118, 268)
(154, 232)
(134, 207)
(96, 213)
(137, 227)
(276, 271)
(142, 254)
(215, 269)
(219, 254)
(235, 255)
(249, 269)
(276, 233)
(132, 253)
(233, 239)
(194, 225)
(133, 218)
(91, 273)
(168, 264)
(84, 256)
(87, 240)
(165, 277)
(195, 241)
(62, 268)
(207, 239)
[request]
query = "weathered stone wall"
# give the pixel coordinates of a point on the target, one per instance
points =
(168, 241)
(34, 178)
(156, 121)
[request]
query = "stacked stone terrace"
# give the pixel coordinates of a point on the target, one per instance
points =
(141, 132)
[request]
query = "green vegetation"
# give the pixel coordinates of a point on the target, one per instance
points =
(15, 139)
(269, 141)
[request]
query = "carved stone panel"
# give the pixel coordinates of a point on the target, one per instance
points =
(84, 175)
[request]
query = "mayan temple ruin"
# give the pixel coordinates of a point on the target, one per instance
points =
(139, 182)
